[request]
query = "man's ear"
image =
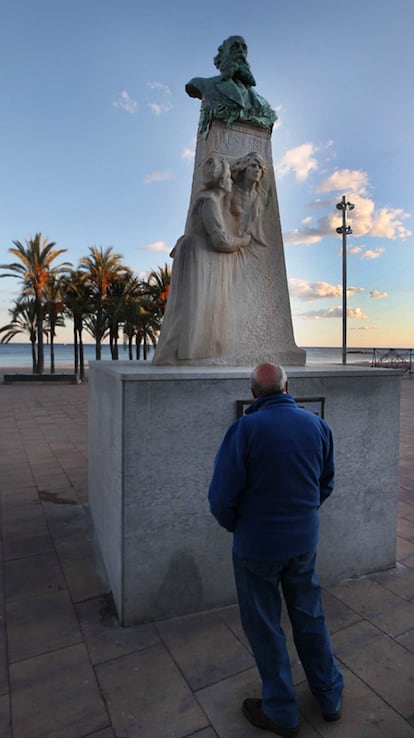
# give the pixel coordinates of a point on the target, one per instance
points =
(287, 386)
(253, 393)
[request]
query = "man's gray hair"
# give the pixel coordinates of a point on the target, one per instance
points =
(275, 382)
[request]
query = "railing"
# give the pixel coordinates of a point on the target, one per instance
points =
(394, 359)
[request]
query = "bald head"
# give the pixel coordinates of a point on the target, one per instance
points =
(268, 379)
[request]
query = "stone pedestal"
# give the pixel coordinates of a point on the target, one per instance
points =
(153, 435)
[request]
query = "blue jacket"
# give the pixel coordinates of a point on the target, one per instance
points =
(272, 471)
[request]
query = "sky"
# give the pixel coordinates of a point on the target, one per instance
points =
(97, 141)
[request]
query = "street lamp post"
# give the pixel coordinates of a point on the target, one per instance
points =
(344, 231)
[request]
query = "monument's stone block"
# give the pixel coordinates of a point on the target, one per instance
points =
(154, 432)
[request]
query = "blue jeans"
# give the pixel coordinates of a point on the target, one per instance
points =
(258, 592)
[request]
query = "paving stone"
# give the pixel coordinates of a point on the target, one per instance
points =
(17, 548)
(231, 616)
(409, 561)
(145, 692)
(56, 696)
(33, 575)
(399, 579)
(364, 714)
(381, 607)
(4, 672)
(86, 578)
(222, 703)
(206, 733)
(405, 509)
(105, 638)
(382, 663)
(5, 726)
(204, 648)
(337, 614)
(407, 640)
(404, 549)
(17, 493)
(406, 529)
(40, 624)
(106, 733)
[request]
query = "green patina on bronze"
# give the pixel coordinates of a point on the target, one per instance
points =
(230, 95)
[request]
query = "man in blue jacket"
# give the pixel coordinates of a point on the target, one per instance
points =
(272, 472)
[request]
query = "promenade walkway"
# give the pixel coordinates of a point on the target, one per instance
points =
(68, 670)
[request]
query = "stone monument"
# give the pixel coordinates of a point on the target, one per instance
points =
(229, 302)
(154, 430)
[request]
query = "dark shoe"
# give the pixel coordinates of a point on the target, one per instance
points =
(252, 710)
(330, 717)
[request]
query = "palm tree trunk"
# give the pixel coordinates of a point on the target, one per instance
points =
(34, 358)
(75, 350)
(52, 349)
(40, 352)
(99, 332)
(115, 354)
(81, 356)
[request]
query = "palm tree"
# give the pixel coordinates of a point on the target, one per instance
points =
(23, 321)
(76, 295)
(54, 309)
(100, 268)
(34, 268)
(157, 288)
(121, 290)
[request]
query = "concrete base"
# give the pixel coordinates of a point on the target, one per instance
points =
(153, 435)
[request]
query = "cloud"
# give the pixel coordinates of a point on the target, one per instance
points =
(125, 102)
(308, 291)
(162, 105)
(299, 160)
(188, 154)
(159, 108)
(156, 246)
(370, 254)
(159, 86)
(158, 177)
(354, 250)
(387, 223)
(377, 295)
(384, 223)
(334, 312)
(345, 180)
(306, 235)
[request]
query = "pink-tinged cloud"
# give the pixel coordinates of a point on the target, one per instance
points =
(373, 253)
(377, 295)
(158, 177)
(334, 312)
(307, 291)
(300, 161)
(157, 246)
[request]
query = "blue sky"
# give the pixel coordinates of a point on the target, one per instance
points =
(97, 139)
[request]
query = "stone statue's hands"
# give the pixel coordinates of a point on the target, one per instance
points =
(246, 239)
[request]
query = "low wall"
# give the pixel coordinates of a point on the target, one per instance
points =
(153, 435)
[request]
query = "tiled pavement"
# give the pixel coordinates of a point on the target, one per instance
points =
(67, 670)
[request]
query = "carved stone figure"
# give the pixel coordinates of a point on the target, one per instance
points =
(199, 319)
(230, 95)
(248, 196)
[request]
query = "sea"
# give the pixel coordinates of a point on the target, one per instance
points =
(19, 354)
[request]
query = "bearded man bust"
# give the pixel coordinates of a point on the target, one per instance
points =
(230, 95)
